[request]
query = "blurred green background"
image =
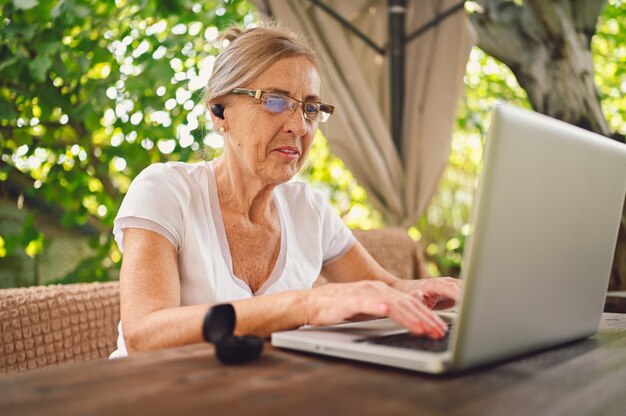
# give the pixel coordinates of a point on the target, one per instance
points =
(92, 92)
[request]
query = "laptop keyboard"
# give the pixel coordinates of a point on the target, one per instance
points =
(411, 341)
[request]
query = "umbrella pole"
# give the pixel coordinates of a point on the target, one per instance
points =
(396, 10)
(397, 15)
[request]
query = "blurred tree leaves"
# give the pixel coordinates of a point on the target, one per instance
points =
(444, 226)
(609, 56)
(327, 172)
(91, 92)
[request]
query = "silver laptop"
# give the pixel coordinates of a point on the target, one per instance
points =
(537, 264)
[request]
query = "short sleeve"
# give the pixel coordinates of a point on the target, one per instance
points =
(337, 238)
(156, 200)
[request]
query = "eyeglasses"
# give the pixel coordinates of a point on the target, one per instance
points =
(279, 103)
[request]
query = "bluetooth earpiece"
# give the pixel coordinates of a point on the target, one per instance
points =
(218, 110)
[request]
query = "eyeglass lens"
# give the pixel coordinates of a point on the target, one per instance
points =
(279, 104)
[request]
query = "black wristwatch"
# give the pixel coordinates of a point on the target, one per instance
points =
(217, 328)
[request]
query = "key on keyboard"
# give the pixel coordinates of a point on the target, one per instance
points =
(411, 341)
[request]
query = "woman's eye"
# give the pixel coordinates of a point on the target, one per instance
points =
(310, 108)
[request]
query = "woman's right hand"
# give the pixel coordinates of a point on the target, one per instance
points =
(338, 302)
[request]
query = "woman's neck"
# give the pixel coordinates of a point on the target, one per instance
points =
(242, 193)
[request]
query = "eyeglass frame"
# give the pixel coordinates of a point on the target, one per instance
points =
(258, 95)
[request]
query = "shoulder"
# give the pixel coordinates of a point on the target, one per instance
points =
(178, 170)
(160, 182)
(176, 174)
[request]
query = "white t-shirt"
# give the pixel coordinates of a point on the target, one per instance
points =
(180, 202)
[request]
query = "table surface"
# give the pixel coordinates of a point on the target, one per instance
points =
(587, 377)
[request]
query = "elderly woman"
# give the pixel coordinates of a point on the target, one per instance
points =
(236, 230)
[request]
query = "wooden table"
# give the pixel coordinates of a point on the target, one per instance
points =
(615, 302)
(583, 378)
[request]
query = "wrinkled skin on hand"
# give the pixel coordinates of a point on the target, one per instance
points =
(436, 292)
(406, 305)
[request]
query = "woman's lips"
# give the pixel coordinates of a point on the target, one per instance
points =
(289, 153)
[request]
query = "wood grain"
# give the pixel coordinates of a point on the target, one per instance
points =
(582, 378)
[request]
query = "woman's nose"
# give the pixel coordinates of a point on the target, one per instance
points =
(296, 123)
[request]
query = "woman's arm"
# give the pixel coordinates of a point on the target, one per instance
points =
(152, 317)
(150, 295)
(358, 264)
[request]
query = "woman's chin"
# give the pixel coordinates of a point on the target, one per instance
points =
(287, 177)
(284, 173)
(280, 172)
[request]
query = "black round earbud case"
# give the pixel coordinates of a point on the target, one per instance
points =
(218, 327)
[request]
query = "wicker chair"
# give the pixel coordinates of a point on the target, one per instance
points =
(49, 325)
(393, 249)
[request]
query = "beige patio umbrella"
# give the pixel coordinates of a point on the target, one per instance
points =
(400, 177)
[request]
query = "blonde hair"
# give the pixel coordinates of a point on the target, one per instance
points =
(250, 52)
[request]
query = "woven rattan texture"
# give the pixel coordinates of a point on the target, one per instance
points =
(50, 325)
(393, 249)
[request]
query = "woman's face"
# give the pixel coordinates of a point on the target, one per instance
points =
(272, 146)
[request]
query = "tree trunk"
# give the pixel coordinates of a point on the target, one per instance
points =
(546, 43)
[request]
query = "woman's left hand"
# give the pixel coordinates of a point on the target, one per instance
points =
(435, 292)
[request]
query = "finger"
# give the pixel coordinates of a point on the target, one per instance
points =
(361, 307)
(433, 323)
(407, 311)
(445, 289)
(418, 319)
(406, 318)
(429, 301)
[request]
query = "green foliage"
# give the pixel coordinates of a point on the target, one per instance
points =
(445, 225)
(91, 92)
(609, 56)
(327, 172)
